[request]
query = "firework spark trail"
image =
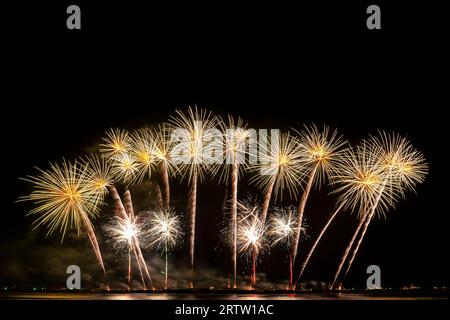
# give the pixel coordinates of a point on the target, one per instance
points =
(165, 181)
(266, 201)
(225, 197)
(93, 239)
(363, 232)
(300, 210)
(142, 261)
(121, 212)
(253, 278)
(311, 251)
(128, 204)
(192, 207)
(347, 250)
(234, 187)
(162, 147)
(126, 214)
(159, 198)
(138, 261)
(129, 268)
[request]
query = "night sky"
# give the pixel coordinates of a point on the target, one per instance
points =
(64, 90)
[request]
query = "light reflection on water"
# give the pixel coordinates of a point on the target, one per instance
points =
(214, 296)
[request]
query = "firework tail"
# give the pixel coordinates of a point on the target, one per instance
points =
(291, 276)
(311, 251)
(266, 202)
(128, 204)
(365, 220)
(225, 198)
(119, 205)
(363, 232)
(165, 183)
(141, 258)
(300, 210)
(165, 274)
(129, 268)
(139, 265)
(159, 198)
(234, 186)
(347, 250)
(93, 239)
(122, 212)
(253, 278)
(94, 243)
(192, 212)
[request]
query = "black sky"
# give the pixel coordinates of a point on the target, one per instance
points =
(275, 67)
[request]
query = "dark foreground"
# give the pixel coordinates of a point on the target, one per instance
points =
(239, 306)
(381, 295)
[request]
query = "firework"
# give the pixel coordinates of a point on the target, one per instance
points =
(280, 167)
(115, 143)
(321, 152)
(194, 133)
(282, 230)
(403, 168)
(99, 175)
(162, 148)
(128, 206)
(282, 226)
(142, 155)
(65, 198)
(125, 168)
(251, 237)
(357, 180)
(165, 233)
(122, 233)
(236, 137)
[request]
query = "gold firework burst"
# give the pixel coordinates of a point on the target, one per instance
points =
(116, 142)
(321, 149)
(361, 180)
(99, 175)
(63, 196)
(193, 135)
(142, 151)
(280, 166)
(405, 165)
